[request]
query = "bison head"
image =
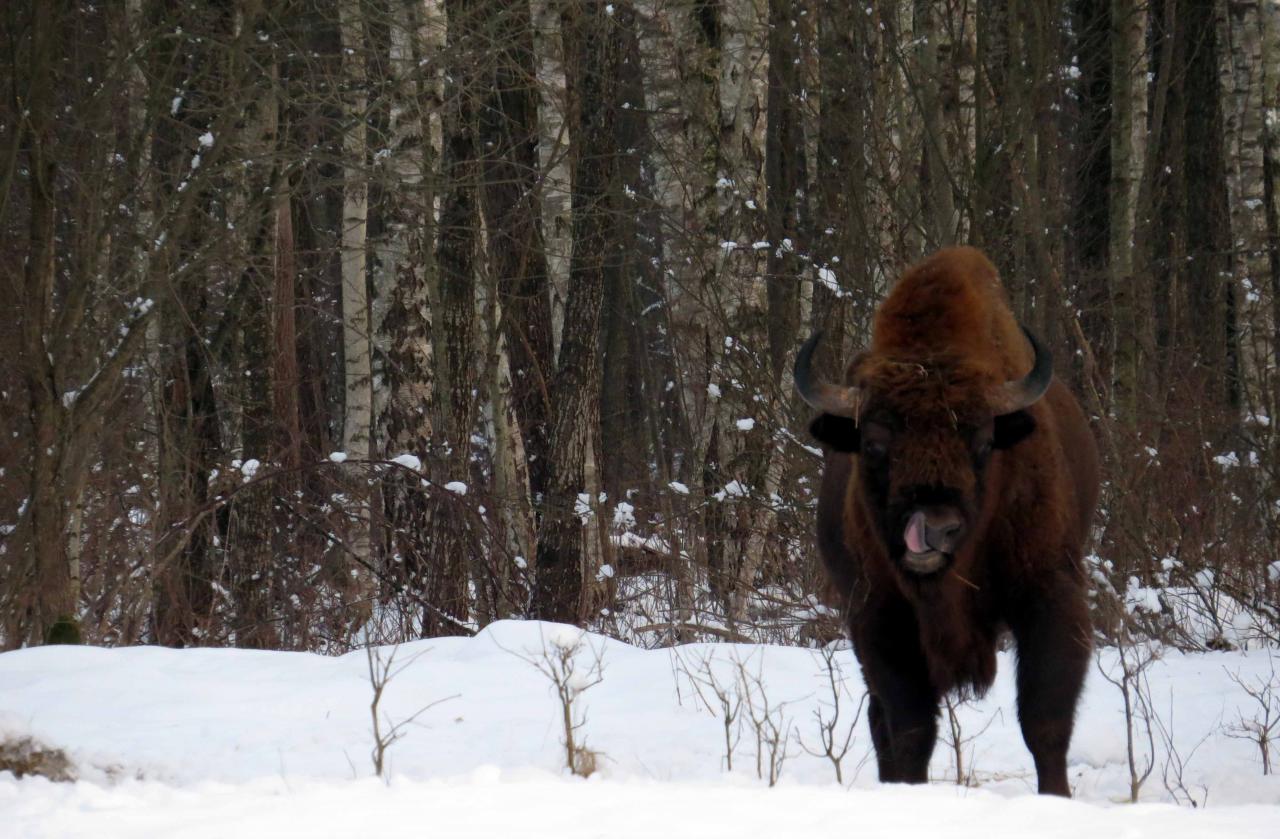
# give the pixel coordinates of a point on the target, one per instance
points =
(924, 432)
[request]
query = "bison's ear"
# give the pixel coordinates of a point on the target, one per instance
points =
(840, 433)
(1012, 428)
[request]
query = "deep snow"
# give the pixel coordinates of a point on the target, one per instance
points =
(231, 742)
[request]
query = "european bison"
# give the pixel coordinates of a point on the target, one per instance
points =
(959, 482)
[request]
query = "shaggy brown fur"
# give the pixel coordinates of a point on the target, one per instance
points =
(1024, 484)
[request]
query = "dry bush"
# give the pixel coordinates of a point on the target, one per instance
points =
(24, 755)
(954, 738)
(386, 731)
(834, 739)
(769, 722)
(725, 702)
(573, 667)
(1174, 768)
(1263, 727)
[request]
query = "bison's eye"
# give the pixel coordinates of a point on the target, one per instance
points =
(875, 441)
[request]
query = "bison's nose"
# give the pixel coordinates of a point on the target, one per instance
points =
(934, 529)
(942, 531)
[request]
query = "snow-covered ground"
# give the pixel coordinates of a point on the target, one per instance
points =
(219, 742)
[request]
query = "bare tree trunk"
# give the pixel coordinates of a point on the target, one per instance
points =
(593, 47)
(254, 527)
(936, 96)
(786, 179)
(440, 569)
(1242, 31)
(407, 326)
(1090, 214)
(1188, 239)
(1213, 306)
(844, 287)
(992, 195)
(1128, 110)
(507, 114)
(1269, 23)
(357, 425)
(190, 439)
(510, 485)
(47, 601)
(642, 423)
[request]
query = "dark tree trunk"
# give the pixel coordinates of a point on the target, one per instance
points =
(1212, 294)
(507, 112)
(437, 565)
(844, 291)
(190, 437)
(642, 423)
(786, 176)
(1190, 240)
(992, 193)
(594, 45)
(1090, 215)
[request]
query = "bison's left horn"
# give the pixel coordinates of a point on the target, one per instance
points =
(842, 401)
(1014, 396)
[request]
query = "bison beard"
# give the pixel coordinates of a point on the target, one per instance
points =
(958, 486)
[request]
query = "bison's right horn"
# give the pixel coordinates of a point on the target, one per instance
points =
(1016, 395)
(842, 401)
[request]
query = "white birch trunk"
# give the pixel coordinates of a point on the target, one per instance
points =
(357, 420)
(553, 148)
(357, 426)
(1241, 29)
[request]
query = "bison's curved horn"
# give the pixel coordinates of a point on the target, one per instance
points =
(1014, 396)
(840, 400)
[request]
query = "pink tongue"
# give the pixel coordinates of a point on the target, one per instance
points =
(914, 534)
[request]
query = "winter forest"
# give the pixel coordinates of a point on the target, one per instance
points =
(348, 320)
(438, 354)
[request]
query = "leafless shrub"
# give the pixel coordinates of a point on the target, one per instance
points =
(573, 667)
(834, 741)
(953, 738)
(726, 702)
(386, 732)
(1263, 728)
(1134, 659)
(769, 722)
(729, 698)
(1173, 770)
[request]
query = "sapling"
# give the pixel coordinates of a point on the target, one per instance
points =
(834, 740)
(954, 738)
(386, 732)
(1263, 728)
(727, 700)
(769, 722)
(1174, 769)
(1135, 659)
(571, 675)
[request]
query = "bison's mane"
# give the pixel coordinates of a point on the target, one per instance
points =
(949, 312)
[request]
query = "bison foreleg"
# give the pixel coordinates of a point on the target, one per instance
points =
(903, 711)
(1053, 638)
(903, 735)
